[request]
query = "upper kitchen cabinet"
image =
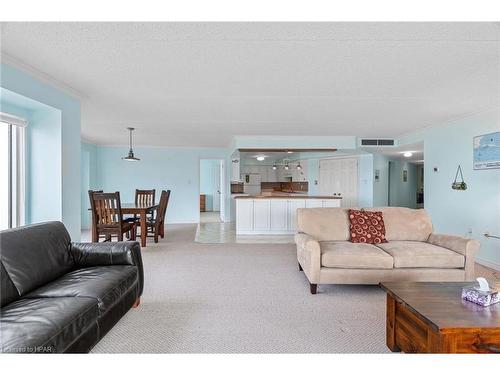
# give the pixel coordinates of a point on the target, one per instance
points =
(235, 169)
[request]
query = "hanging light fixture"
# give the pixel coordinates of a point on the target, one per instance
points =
(275, 166)
(299, 167)
(286, 166)
(130, 156)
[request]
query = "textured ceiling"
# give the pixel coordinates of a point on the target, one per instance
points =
(200, 84)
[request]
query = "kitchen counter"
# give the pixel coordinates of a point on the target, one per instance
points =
(276, 213)
(287, 196)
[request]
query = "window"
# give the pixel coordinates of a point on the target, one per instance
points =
(12, 171)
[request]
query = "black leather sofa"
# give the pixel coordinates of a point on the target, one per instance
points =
(58, 296)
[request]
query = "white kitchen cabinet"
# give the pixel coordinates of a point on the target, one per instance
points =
(293, 205)
(244, 215)
(279, 214)
(261, 214)
(273, 216)
(314, 203)
(331, 202)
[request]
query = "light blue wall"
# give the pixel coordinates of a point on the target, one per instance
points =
(208, 174)
(403, 194)
(69, 145)
(478, 207)
(381, 187)
(44, 154)
(89, 179)
(177, 169)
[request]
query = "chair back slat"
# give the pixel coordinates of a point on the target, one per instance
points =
(107, 207)
(145, 197)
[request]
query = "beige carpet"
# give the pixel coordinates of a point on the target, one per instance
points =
(242, 298)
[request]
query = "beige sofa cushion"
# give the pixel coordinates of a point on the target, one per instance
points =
(324, 224)
(414, 254)
(345, 254)
(405, 224)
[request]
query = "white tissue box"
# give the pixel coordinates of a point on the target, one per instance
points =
(483, 298)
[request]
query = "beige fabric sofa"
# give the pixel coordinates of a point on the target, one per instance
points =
(413, 252)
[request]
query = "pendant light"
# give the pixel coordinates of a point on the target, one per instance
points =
(286, 166)
(130, 156)
(299, 167)
(275, 166)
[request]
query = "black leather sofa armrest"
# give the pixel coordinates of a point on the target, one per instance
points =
(108, 254)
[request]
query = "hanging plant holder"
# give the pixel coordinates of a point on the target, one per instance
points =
(459, 185)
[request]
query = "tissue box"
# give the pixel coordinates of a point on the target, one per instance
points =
(483, 298)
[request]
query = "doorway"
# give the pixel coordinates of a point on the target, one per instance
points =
(212, 191)
(406, 184)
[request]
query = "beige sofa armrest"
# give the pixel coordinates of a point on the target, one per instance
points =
(309, 256)
(465, 246)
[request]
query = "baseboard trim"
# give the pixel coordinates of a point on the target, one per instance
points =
(488, 264)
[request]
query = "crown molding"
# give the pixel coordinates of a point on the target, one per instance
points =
(42, 76)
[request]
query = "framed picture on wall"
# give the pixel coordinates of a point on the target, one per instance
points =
(405, 175)
(487, 151)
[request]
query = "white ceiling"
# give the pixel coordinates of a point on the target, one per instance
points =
(200, 84)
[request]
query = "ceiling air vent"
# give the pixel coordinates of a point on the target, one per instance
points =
(377, 142)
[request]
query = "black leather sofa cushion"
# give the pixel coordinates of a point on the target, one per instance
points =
(8, 291)
(36, 254)
(108, 254)
(46, 325)
(107, 285)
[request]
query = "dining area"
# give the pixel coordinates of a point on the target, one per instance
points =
(113, 219)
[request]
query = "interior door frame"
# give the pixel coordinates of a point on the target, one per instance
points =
(222, 195)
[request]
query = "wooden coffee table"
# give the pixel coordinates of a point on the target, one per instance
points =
(433, 318)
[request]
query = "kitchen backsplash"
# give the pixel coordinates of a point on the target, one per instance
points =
(237, 188)
(285, 186)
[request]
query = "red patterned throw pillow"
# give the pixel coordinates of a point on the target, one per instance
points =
(367, 226)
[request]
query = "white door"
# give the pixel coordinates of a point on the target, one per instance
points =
(340, 176)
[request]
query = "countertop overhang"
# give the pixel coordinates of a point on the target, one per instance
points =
(284, 196)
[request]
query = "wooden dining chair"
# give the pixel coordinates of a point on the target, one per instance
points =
(92, 214)
(108, 214)
(143, 198)
(156, 226)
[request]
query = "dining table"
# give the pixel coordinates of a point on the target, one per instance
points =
(138, 209)
(141, 210)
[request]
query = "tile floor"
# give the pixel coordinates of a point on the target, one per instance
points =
(210, 217)
(226, 233)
